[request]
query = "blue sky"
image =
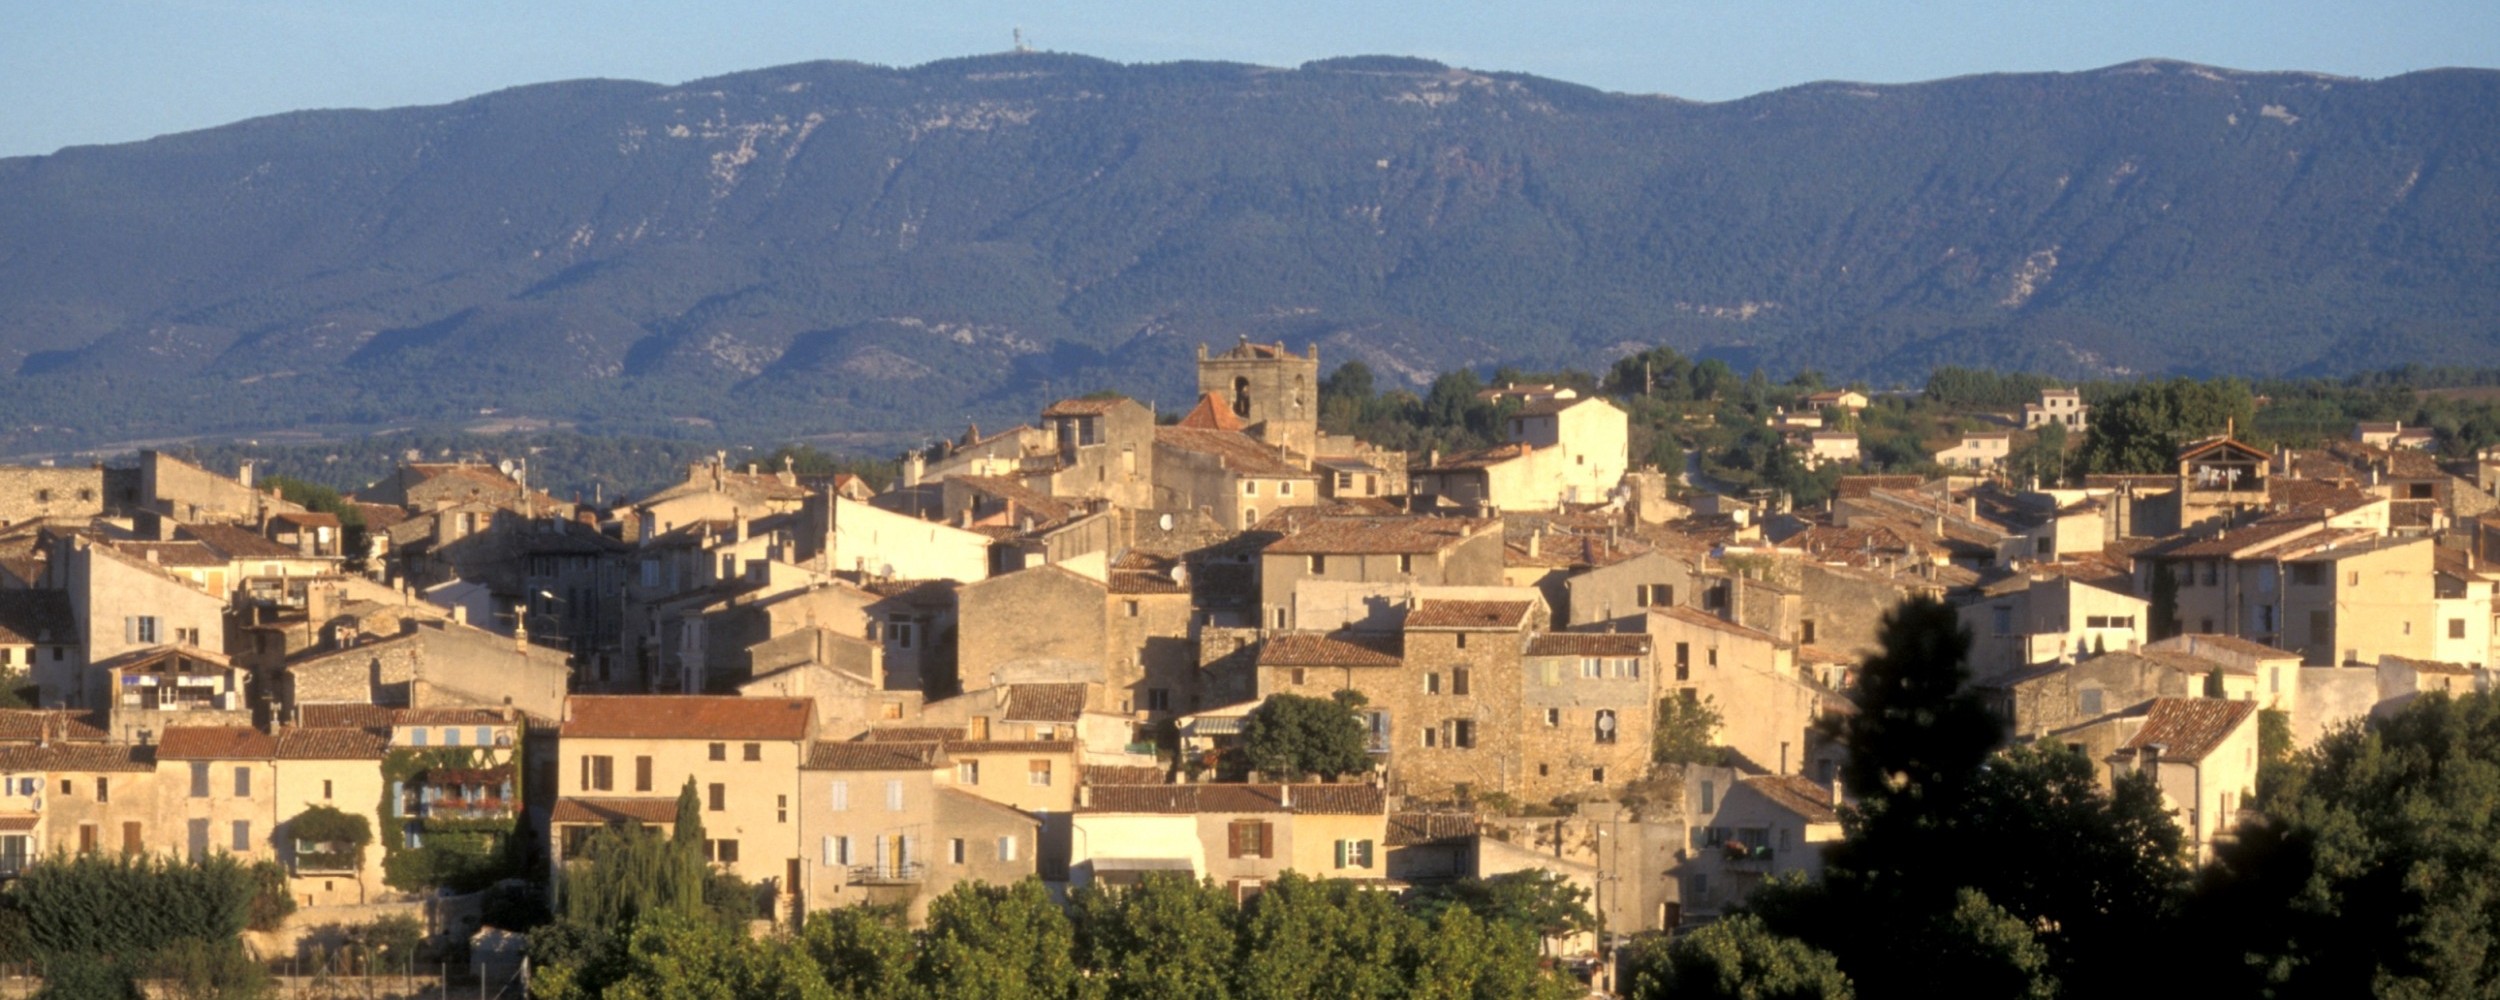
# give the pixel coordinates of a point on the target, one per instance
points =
(91, 71)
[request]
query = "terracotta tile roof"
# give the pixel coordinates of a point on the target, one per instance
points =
(1691, 616)
(1085, 407)
(686, 717)
(176, 553)
(1210, 415)
(1589, 644)
(331, 744)
(1341, 800)
(2429, 666)
(2189, 728)
(448, 717)
(77, 757)
(344, 716)
(309, 519)
(1796, 793)
(1045, 702)
(1860, 486)
(2230, 542)
(236, 543)
(1123, 774)
(1041, 505)
(913, 734)
(1341, 649)
(1417, 828)
(1138, 572)
(28, 617)
(19, 824)
(1240, 452)
(1478, 459)
(1470, 615)
(1010, 746)
(650, 812)
(880, 756)
(215, 743)
(34, 725)
(1413, 535)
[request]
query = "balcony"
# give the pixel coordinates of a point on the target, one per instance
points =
(907, 873)
(448, 810)
(1746, 858)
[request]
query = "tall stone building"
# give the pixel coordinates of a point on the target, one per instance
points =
(1274, 392)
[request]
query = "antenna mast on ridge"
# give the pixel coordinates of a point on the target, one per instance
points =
(1020, 43)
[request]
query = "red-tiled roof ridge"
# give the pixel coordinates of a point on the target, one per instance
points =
(1796, 793)
(1437, 613)
(1330, 649)
(1211, 415)
(691, 717)
(215, 743)
(2189, 728)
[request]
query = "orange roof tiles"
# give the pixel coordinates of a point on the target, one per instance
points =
(1412, 535)
(653, 812)
(1589, 644)
(686, 717)
(1210, 415)
(1351, 800)
(1469, 615)
(1342, 649)
(879, 756)
(215, 743)
(331, 744)
(2189, 728)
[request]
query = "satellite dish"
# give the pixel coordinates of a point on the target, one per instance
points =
(1605, 722)
(504, 466)
(1165, 521)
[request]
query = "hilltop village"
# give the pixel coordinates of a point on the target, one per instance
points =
(1036, 654)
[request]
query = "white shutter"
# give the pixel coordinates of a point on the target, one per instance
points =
(841, 795)
(830, 859)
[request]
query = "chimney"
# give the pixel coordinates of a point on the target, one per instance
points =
(1284, 796)
(1536, 541)
(742, 526)
(1085, 793)
(914, 467)
(460, 613)
(244, 474)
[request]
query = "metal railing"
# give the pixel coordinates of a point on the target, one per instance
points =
(909, 871)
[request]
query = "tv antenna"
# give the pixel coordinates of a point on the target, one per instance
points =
(1021, 46)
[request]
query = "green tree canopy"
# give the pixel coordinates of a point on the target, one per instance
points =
(1294, 736)
(1737, 958)
(2142, 428)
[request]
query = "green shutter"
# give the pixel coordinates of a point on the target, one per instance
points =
(1341, 852)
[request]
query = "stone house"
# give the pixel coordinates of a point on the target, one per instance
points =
(1977, 450)
(886, 826)
(2062, 407)
(1377, 561)
(1236, 478)
(70, 791)
(39, 642)
(430, 665)
(2028, 620)
(1557, 451)
(46, 493)
(2202, 752)
(1037, 625)
(1849, 400)
(843, 675)
(166, 686)
(1620, 593)
(1590, 712)
(1742, 829)
(1151, 628)
(621, 756)
(123, 602)
(1239, 836)
(1456, 719)
(340, 768)
(216, 792)
(1105, 450)
(1767, 706)
(171, 487)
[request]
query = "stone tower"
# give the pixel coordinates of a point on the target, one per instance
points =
(1274, 391)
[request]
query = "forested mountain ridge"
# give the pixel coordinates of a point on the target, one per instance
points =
(838, 247)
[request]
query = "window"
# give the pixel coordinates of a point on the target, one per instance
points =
(140, 629)
(242, 836)
(416, 736)
(1592, 668)
(752, 752)
(1249, 487)
(1354, 854)
(2456, 628)
(485, 736)
(2001, 620)
(1654, 595)
(243, 782)
(1463, 733)
(894, 795)
(781, 808)
(196, 838)
(104, 790)
(1130, 607)
(1406, 564)
(642, 774)
(968, 772)
(1598, 775)
(837, 850)
(727, 850)
(1553, 717)
(1683, 661)
(955, 850)
(1158, 700)
(718, 795)
(2212, 572)
(598, 774)
(65, 788)
(133, 840)
(2090, 699)
(1432, 683)
(720, 751)
(1431, 736)
(1284, 489)
(2308, 574)
(1606, 725)
(325, 788)
(1008, 848)
(1250, 838)
(2274, 680)
(1297, 676)
(1709, 797)
(1319, 565)
(451, 736)
(1628, 667)
(1462, 640)
(1037, 773)
(1458, 680)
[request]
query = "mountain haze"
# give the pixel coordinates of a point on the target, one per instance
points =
(834, 247)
